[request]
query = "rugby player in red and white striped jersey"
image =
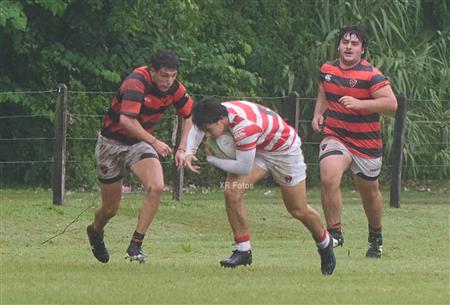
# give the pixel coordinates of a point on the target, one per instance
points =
(265, 144)
(351, 96)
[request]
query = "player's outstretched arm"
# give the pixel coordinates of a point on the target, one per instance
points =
(190, 164)
(241, 166)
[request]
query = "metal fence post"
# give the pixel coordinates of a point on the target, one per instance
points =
(178, 175)
(397, 151)
(59, 167)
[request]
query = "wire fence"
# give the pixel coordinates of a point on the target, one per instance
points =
(91, 119)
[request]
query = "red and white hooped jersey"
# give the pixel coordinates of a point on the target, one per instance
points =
(256, 126)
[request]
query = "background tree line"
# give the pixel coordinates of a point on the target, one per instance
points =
(233, 48)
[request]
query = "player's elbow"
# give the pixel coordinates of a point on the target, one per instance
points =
(394, 104)
(125, 121)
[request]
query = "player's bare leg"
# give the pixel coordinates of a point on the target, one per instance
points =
(234, 188)
(294, 198)
(111, 195)
(332, 169)
(150, 173)
(373, 207)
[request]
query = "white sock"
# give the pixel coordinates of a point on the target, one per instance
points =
(243, 246)
(324, 243)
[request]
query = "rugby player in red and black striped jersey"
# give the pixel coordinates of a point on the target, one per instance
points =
(127, 143)
(351, 96)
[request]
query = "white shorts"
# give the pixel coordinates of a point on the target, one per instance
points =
(114, 159)
(368, 169)
(287, 167)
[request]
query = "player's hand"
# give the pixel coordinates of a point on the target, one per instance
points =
(318, 123)
(189, 163)
(162, 148)
(350, 102)
(180, 158)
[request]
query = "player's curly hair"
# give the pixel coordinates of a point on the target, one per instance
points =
(164, 58)
(208, 111)
(359, 31)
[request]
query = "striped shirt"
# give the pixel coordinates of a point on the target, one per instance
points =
(140, 98)
(256, 126)
(358, 130)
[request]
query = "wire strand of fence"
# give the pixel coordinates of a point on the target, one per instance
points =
(27, 162)
(26, 139)
(192, 94)
(207, 163)
(25, 116)
(29, 92)
(168, 140)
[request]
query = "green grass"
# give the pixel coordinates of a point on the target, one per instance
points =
(187, 240)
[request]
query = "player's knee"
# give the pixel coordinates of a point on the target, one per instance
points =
(155, 189)
(299, 213)
(109, 212)
(330, 182)
(372, 194)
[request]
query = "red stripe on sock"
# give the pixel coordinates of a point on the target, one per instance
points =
(323, 237)
(241, 239)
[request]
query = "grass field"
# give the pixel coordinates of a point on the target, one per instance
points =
(187, 240)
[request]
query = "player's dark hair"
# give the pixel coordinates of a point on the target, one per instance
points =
(164, 58)
(357, 30)
(208, 111)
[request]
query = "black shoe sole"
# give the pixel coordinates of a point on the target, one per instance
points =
(228, 265)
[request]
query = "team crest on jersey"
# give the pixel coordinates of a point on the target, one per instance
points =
(353, 82)
(239, 134)
(288, 179)
(328, 77)
(323, 146)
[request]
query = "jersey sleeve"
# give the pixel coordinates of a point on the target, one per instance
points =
(131, 95)
(183, 102)
(322, 74)
(377, 80)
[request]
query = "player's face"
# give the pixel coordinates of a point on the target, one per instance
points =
(163, 78)
(216, 129)
(350, 49)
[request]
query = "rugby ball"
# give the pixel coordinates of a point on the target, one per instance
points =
(223, 147)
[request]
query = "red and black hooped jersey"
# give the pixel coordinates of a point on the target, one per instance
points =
(358, 130)
(140, 98)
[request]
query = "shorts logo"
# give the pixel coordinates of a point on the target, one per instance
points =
(353, 82)
(103, 169)
(323, 146)
(288, 179)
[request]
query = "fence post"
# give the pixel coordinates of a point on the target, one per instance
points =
(292, 109)
(397, 151)
(59, 167)
(178, 175)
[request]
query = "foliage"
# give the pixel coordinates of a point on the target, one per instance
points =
(228, 48)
